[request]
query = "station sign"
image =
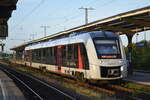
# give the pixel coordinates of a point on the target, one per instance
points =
(140, 44)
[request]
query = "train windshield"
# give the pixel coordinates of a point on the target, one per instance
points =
(107, 48)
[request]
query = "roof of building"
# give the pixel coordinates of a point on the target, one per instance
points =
(6, 8)
(127, 23)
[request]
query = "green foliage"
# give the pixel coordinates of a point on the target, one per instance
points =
(6, 56)
(137, 87)
(141, 56)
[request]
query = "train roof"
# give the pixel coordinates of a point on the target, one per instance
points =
(72, 39)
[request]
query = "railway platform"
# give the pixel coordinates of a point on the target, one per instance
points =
(139, 78)
(8, 89)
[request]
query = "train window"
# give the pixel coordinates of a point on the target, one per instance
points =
(53, 51)
(44, 52)
(48, 56)
(33, 55)
(64, 55)
(50, 51)
(36, 55)
(39, 55)
(75, 52)
(19, 55)
(107, 49)
(69, 55)
(52, 59)
(25, 55)
(72, 58)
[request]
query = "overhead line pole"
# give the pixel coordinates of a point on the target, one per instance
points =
(86, 13)
(45, 29)
(32, 36)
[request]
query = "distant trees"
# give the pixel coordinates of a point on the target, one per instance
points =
(5, 56)
(141, 56)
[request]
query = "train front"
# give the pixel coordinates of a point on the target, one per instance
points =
(110, 59)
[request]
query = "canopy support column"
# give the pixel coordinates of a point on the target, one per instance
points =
(130, 67)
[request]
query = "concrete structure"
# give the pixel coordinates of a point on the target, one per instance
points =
(6, 8)
(140, 78)
(8, 89)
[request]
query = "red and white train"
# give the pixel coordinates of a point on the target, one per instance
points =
(95, 55)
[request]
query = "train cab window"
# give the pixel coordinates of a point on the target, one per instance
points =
(107, 49)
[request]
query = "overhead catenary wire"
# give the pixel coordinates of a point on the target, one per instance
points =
(75, 16)
(24, 18)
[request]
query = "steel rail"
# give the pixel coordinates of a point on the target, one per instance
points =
(22, 83)
(46, 84)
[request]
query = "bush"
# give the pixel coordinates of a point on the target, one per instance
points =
(141, 57)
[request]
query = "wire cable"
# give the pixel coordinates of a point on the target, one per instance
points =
(29, 14)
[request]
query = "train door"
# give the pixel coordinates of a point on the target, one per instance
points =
(59, 58)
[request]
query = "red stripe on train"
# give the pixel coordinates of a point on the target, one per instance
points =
(80, 63)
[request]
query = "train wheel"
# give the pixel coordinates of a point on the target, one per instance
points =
(80, 76)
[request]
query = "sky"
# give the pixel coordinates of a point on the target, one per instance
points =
(59, 15)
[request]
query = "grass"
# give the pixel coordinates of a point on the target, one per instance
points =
(137, 86)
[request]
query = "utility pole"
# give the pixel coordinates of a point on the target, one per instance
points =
(33, 35)
(45, 29)
(86, 13)
(2, 47)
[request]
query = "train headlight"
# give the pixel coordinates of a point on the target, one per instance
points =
(122, 68)
(100, 61)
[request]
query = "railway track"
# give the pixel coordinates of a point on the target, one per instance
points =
(113, 90)
(119, 91)
(110, 89)
(129, 93)
(34, 88)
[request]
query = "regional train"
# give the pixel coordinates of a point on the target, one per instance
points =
(97, 55)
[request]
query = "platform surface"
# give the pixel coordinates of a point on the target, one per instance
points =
(140, 78)
(8, 89)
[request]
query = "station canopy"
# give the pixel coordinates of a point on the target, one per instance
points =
(127, 23)
(6, 8)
